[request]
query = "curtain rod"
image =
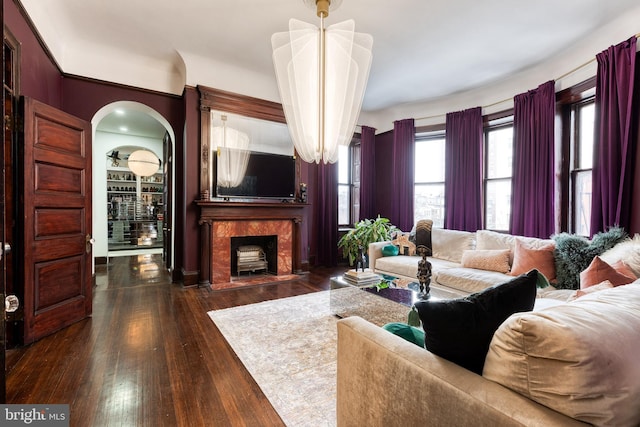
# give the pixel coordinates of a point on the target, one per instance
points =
(568, 73)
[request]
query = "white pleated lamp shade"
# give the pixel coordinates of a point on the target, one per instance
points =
(305, 88)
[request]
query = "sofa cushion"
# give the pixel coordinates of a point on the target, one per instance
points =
(526, 258)
(489, 259)
(460, 330)
(627, 251)
(487, 239)
(579, 358)
(450, 244)
(469, 280)
(599, 271)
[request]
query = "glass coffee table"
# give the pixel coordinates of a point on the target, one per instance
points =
(378, 306)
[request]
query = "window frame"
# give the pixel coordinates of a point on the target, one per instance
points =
(426, 134)
(575, 168)
(494, 123)
(352, 184)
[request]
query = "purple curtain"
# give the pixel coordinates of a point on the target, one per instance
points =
(614, 151)
(326, 214)
(368, 173)
(463, 170)
(404, 136)
(532, 197)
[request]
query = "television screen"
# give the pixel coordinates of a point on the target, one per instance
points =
(252, 174)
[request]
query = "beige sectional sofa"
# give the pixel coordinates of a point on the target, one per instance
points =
(574, 363)
(449, 247)
(572, 360)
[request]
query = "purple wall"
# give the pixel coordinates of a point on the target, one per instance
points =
(40, 78)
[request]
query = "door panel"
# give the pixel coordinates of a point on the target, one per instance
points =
(56, 215)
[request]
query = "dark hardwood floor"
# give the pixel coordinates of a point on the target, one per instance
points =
(150, 355)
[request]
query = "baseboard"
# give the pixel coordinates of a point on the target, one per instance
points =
(100, 260)
(189, 278)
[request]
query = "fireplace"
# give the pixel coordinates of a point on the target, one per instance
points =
(260, 255)
(222, 221)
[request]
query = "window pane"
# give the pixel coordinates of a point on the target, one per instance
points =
(587, 129)
(429, 160)
(343, 164)
(582, 203)
(500, 152)
(498, 205)
(429, 203)
(343, 205)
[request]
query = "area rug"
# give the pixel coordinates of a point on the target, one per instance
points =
(289, 347)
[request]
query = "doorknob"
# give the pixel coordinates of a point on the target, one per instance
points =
(11, 305)
(89, 242)
(6, 248)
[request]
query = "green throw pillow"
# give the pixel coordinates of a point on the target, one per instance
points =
(409, 333)
(390, 250)
(573, 254)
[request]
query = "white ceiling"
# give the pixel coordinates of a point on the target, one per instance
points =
(423, 50)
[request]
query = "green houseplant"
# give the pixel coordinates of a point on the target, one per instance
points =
(366, 231)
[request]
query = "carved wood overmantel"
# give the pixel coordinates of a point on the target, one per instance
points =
(218, 100)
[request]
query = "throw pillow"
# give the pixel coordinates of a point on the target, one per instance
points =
(423, 235)
(591, 289)
(627, 251)
(526, 258)
(489, 259)
(450, 244)
(599, 271)
(409, 333)
(460, 330)
(390, 250)
(574, 254)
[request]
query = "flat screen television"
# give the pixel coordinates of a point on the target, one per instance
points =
(253, 174)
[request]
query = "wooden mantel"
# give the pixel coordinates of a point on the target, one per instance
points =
(219, 211)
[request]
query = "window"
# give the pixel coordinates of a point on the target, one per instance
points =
(348, 184)
(428, 200)
(498, 172)
(583, 118)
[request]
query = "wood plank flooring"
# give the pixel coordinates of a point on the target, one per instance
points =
(150, 355)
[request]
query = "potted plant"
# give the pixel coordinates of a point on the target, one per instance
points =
(355, 243)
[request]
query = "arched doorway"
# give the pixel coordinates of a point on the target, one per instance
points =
(131, 125)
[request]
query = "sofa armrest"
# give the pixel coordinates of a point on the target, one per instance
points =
(375, 252)
(385, 380)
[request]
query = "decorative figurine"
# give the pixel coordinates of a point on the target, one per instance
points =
(424, 272)
(361, 261)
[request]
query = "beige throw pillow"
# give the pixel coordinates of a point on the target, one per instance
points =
(578, 358)
(489, 259)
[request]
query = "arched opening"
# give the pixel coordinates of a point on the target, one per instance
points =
(131, 215)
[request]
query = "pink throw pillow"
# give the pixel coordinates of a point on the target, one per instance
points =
(526, 259)
(599, 271)
(591, 289)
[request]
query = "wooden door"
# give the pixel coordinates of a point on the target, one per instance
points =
(55, 150)
(167, 178)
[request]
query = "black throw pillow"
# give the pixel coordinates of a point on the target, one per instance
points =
(460, 330)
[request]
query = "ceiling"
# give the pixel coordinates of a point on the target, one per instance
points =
(422, 51)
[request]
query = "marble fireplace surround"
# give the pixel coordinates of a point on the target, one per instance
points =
(220, 221)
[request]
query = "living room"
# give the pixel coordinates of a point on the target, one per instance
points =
(45, 77)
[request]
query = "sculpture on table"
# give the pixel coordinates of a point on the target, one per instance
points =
(361, 261)
(424, 272)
